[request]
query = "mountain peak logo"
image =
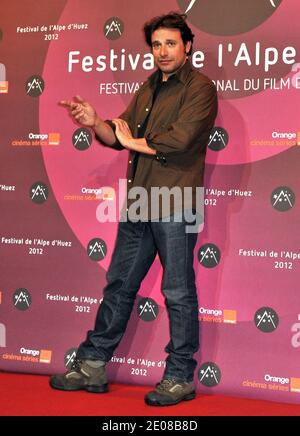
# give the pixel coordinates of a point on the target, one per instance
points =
(218, 139)
(96, 249)
(22, 299)
(82, 139)
(113, 28)
(266, 319)
(147, 309)
(209, 255)
(39, 192)
(35, 86)
(283, 199)
(70, 357)
(209, 374)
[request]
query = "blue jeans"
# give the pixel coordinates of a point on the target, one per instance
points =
(136, 247)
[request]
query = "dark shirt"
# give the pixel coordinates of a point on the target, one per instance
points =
(177, 124)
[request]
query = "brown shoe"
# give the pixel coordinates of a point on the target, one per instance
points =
(81, 376)
(169, 392)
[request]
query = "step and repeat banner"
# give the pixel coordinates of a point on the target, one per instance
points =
(54, 177)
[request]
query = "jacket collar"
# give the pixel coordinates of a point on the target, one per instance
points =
(180, 75)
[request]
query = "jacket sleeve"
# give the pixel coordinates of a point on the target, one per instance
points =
(196, 116)
(127, 116)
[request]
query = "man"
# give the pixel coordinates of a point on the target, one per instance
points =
(166, 128)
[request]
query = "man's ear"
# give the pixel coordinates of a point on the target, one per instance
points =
(188, 47)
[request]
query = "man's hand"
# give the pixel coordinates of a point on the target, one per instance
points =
(125, 138)
(81, 111)
(123, 132)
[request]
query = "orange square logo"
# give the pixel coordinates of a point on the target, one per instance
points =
(45, 356)
(0, 297)
(295, 384)
(54, 139)
(3, 87)
(108, 193)
(298, 138)
(229, 316)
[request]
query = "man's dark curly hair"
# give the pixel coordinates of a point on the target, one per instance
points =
(172, 20)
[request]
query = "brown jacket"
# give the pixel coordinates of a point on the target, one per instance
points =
(178, 128)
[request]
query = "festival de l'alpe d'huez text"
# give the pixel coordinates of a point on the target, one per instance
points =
(225, 55)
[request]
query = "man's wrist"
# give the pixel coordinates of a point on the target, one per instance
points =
(97, 123)
(130, 143)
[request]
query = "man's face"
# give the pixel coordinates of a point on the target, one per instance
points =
(168, 50)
